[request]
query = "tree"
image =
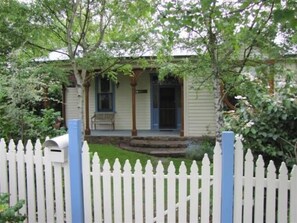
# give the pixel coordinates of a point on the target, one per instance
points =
(14, 29)
(93, 35)
(21, 80)
(225, 37)
(21, 93)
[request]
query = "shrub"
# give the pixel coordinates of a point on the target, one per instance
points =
(268, 123)
(10, 213)
(196, 151)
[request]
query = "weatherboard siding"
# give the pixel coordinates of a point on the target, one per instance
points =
(71, 104)
(199, 114)
(123, 105)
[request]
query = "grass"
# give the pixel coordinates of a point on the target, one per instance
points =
(111, 152)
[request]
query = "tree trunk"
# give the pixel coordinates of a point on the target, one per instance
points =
(80, 97)
(218, 103)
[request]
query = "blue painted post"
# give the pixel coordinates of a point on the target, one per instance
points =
(75, 168)
(227, 177)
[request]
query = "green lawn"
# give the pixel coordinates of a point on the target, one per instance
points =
(111, 152)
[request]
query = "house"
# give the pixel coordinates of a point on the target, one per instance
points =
(143, 102)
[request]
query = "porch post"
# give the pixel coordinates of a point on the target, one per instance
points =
(87, 87)
(182, 133)
(133, 84)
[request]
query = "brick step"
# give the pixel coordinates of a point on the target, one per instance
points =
(173, 152)
(150, 143)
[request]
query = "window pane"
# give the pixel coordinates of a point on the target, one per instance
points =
(104, 85)
(105, 101)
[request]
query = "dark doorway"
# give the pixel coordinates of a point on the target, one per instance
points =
(167, 113)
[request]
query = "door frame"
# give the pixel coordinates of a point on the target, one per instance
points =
(155, 101)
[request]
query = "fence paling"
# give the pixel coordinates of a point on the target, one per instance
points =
(3, 168)
(293, 194)
(31, 179)
(138, 192)
(270, 199)
(271, 193)
(12, 172)
(107, 197)
(217, 177)
(117, 188)
(283, 194)
(182, 193)
(127, 192)
(97, 189)
(160, 192)
(194, 184)
(39, 182)
(20, 157)
(238, 181)
(86, 183)
(30, 182)
(49, 189)
(259, 190)
(248, 187)
(205, 189)
(171, 189)
(149, 179)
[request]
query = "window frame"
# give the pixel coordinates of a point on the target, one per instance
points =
(99, 93)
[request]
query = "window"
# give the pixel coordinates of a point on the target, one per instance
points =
(104, 94)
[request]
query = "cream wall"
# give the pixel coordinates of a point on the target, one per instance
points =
(71, 104)
(123, 105)
(199, 114)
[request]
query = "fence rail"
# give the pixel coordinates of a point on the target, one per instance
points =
(143, 194)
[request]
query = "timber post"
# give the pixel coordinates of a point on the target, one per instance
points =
(87, 112)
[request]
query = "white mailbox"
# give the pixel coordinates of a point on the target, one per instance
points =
(58, 148)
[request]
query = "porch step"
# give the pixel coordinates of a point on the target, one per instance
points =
(151, 143)
(157, 147)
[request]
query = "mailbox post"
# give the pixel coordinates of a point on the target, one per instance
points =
(67, 148)
(75, 163)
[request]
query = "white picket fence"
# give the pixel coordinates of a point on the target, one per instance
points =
(28, 175)
(261, 194)
(143, 194)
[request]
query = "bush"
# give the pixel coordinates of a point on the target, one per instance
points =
(196, 151)
(268, 123)
(10, 213)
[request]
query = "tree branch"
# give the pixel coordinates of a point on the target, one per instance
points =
(47, 49)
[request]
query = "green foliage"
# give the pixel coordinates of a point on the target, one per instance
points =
(196, 151)
(13, 27)
(21, 95)
(268, 123)
(223, 36)
(10, 213)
